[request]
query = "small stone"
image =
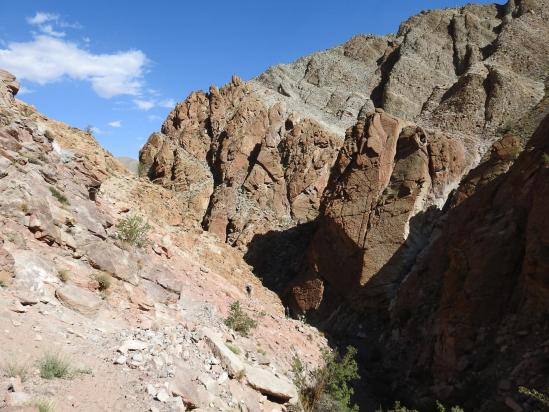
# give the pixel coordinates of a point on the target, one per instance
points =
(151, 390)
(121, 360)
(18, 307)
(223, 378)
(16, 323)
(137, 358)
(17, 398)
(131, 345)
(163, 395)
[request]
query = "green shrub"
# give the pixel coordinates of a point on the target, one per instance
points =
(104, 280)
(239, 321)
(43, 405)
(2, 284)
(49, 135)
(133, 230)
(541, 398)
(14, 368)
(328, 389)
(63, 275)
(233, 348)
(54, 366)
(59, 196)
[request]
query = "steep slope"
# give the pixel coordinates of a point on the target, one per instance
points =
(144, 327)
(480, 328)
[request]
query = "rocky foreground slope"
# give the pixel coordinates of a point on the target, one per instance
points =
(142, 328)
(362, 185)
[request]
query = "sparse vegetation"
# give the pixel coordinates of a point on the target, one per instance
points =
(49, 135)
(63, 275)
(328, 389)
(133, 230)
(239, 321)
(541, 398)
(233, 348)
(442, 408)
(241, 375)
(141, 169)
(43, 405)
(2, 284)
(54, 366)
(24, 207)
(397, 407)
(88, 129)
(104, 280)
(15, 368)
(59, 196)
(545, 159)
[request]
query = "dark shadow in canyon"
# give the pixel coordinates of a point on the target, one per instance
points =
(349, 314)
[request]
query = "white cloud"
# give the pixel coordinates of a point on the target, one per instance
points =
(144, 104)
(115, 123)
(24, 90)
(47, 59)
(50, 31)
(154, 117)
(168, 103)
(97, 130)
(41, 17)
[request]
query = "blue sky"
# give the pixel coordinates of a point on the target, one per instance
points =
(121, 66)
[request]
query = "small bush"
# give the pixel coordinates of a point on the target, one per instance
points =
(233, 348)
(59, 196)
(545, 159)
(241, 375)
(24, 207)
(43, 405)
(63, 275)
(49, 135)
(239, 321)
(14, 368)
(133, 230)
(541, 398)
(328, 389)
(104, 280)
(53, 366)
(2, 284)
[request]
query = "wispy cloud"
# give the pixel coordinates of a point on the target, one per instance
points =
(168, 103)
(48, 58)
(24, 90)
(154, 117)
(42, 17)
(144, 104)
(97, 130)
(115, 123)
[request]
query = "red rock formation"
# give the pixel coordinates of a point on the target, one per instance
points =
(387, 173)
(474, 308)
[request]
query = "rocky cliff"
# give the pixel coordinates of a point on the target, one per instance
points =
(140, 324)
(350, 178)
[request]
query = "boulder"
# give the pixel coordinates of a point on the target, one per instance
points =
(230, 361)
(268, 384)
(78, 299)
(108, 257)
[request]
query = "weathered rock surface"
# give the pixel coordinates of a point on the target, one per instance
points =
(253, 159)
(484, 291)
(145, 308)
(78, 299)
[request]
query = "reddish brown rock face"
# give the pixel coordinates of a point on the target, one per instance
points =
(386, 175)
(253, 168)
(483, 285)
